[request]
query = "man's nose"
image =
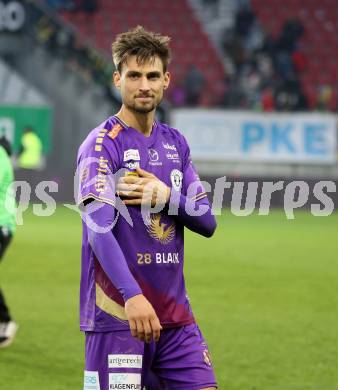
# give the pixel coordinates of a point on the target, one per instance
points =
(144, 86)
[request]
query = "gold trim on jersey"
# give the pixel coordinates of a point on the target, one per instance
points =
(108, 305)
(95, 197)
(199, 196)
(99, 140)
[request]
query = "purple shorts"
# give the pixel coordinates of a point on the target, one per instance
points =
(179, 361)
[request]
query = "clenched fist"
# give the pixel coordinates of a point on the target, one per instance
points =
(143, 321)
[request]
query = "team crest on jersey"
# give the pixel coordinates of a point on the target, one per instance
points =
(176, 178)
(160, 231)
(115, 131)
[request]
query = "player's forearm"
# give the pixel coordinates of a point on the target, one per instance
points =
(108, 251)
(196, 216)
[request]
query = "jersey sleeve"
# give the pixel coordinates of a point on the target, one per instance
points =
(192, 186)
(190, 205)
(95, 175)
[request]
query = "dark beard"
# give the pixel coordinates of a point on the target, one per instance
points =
(140, 110)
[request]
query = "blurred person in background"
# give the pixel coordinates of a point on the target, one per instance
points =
(31, 150)
(134, 310)
(194, 83)
(8, 327)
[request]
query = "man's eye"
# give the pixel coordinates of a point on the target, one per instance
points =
(133, 76)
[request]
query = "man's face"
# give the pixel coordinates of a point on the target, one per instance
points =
(142, 86)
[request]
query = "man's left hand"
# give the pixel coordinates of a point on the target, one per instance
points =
(144, 189)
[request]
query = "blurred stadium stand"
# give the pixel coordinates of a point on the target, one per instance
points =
(57, 69)
(16, 90)
(190, 44)
(246, 57)
(318, 45)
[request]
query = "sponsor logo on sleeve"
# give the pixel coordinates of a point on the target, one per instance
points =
(99, 140)
(101, 177)
(125, 361)
(131, 154)
(91, 380)
(124, 381)
(176, 178)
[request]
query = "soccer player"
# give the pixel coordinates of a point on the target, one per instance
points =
(139, 326)
(8, 327)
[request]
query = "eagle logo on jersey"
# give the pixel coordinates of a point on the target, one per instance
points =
(160, 231)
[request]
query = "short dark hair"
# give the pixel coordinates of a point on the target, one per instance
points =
(142, 43)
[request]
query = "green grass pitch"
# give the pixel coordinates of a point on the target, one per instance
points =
(264, 291)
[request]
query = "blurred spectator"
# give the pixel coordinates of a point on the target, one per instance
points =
(324, 98)
(283, 64)
(8, 327)
(254, 39)
(31, 150)
(265, 69)
(194, 83)
(62, 4)
(234, 96)
(289, 96)
(211, 8)
(89, 6)
(299, 61)
(292, 30)
(178, 96)
(233, 47)
(268, 101)
(243, 21)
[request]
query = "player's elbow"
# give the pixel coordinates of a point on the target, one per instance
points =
(209, 228)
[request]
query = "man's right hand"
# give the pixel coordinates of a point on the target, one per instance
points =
(143, 321)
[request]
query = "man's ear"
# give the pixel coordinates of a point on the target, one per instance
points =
(117, 79)
(166, 80)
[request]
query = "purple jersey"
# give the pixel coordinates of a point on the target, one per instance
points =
(154, 251)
